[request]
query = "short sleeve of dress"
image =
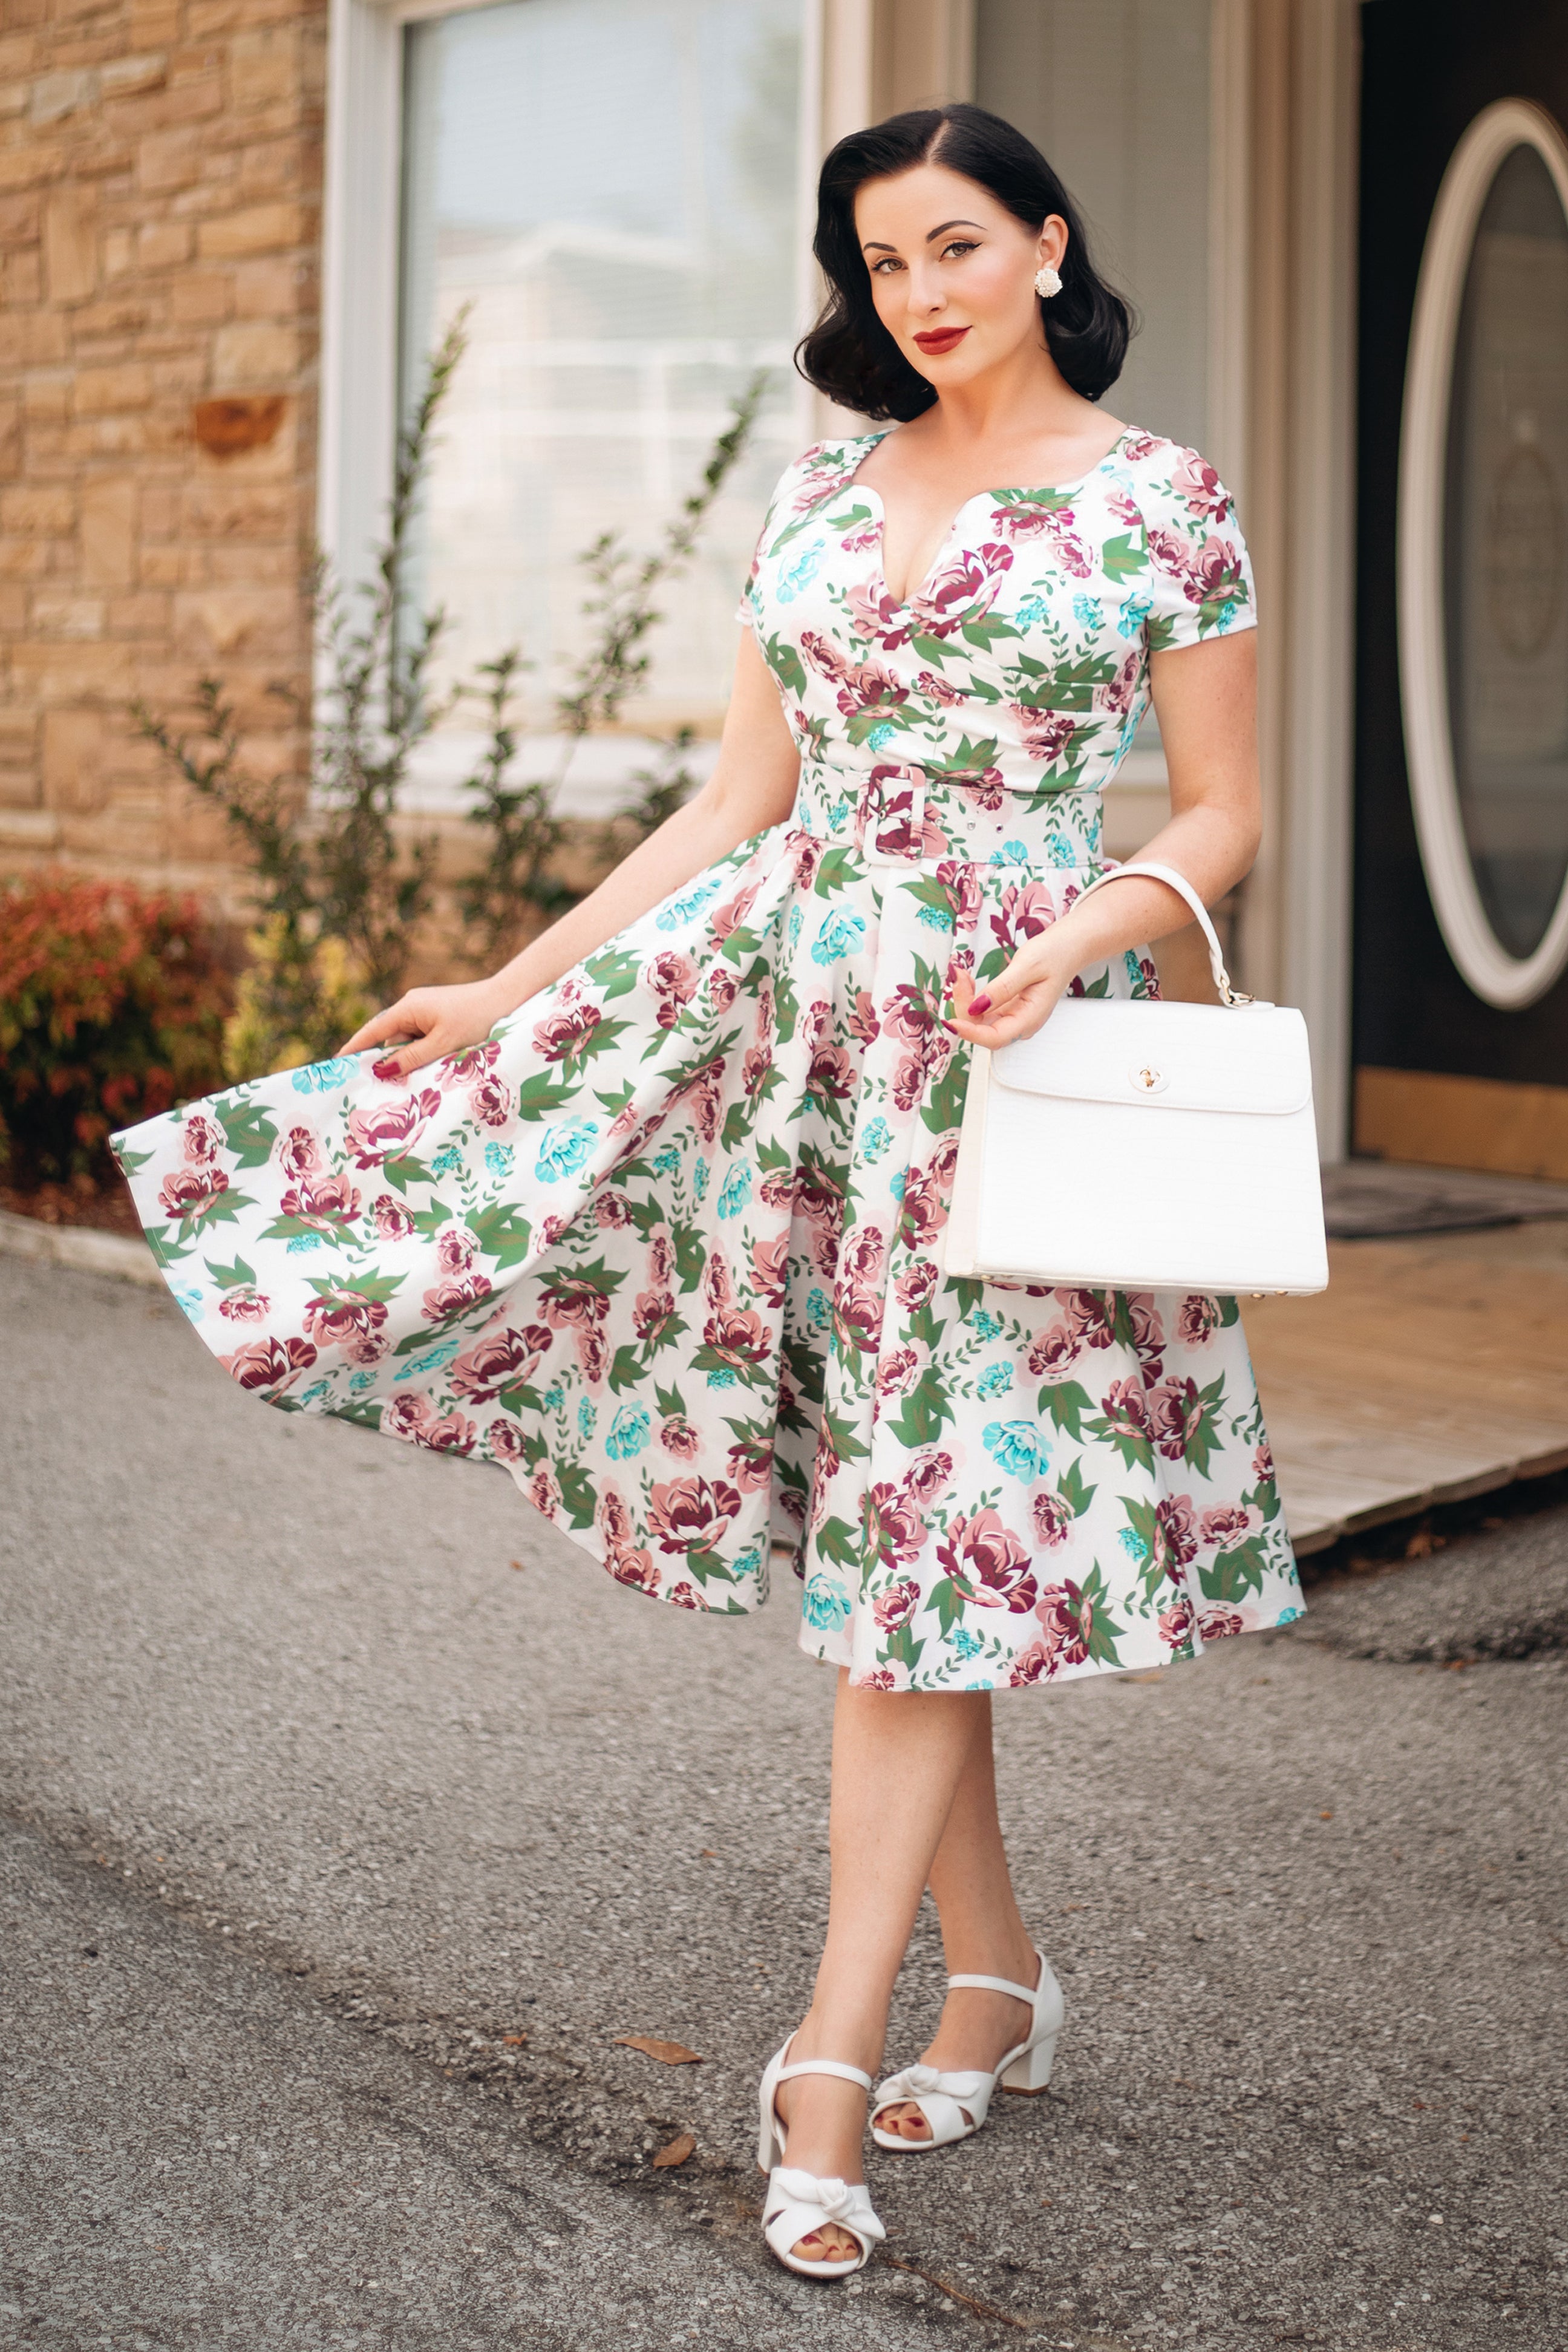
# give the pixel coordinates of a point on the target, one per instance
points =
(1200, 577)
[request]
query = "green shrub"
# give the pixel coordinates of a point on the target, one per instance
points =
(113, 1006)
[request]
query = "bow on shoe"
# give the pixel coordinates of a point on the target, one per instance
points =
(838, 2200)
(915, 2082)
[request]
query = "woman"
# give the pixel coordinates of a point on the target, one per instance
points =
(654, 1216)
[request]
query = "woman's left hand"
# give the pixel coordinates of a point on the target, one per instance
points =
(1019, 1001)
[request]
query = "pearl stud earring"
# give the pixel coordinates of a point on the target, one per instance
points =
(1047, 281)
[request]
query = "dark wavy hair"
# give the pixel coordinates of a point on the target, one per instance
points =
(850, 355)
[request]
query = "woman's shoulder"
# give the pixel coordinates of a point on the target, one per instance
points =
(1168, 477)
(819, 470)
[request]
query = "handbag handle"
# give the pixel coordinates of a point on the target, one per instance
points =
(1184, 890)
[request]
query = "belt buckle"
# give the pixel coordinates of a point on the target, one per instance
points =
(895, 834)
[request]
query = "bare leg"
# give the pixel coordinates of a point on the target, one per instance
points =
(982, 1931)
(897, 1757)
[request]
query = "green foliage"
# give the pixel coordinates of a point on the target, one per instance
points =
(112, 1009)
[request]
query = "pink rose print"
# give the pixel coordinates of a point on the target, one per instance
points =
(571, 1304)
(1139, 446)
(390, 1128)
(1176, 1536)
(1197, 1320)
(203, 1138)
(504, 1437)
(451, 1297)
(1126, 1410)
(679, 1437)
(877, 617)
(190, 1191)
(751, 1465)
(1091, 1315)
(895, 1524)
(456, 1247)
(449, 1434)
(562, 1034)
(1053, 1353)
(729, 918)
(770, 1269)
(392, 1218)
(611, 1210)
(685, 1595)
(1219, 1624)
(1176, 1622)
(960, 589)
(543, 1492)
(1195, 482)
(1225, 1524)
(462, 1069)
(1053, 1520)
(986, 1563)
(1263, 1466)
(896, 1606)
(407, 1417)
(913, 1289)
(245, 1306)
(493, 1101)
(325, 1200)
(672, 977)
(1046, 735)
(1023, 912)
(342, 1318)
(652, 1315)
(268, 1363)
(1176, 1412)
(1118, 696)
(501, 1358)
(722, 990)
(898, 1369)
(691, 1514)
(299, 1154)
(661, 1257)
(928, 1476)
(1066, 1621)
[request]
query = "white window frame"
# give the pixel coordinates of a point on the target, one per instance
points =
(1496, 976)
(361, 233)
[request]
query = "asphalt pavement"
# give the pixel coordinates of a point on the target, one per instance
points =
(354, 1815)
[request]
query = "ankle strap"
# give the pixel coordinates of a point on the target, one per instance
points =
(828, 2066)
(995, 1984)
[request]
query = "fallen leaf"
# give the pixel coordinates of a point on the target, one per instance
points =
(514, 1563)
(514, 2041)
(676, 2153)
(1325, 1817)
(668, 2054)
(706, 1853)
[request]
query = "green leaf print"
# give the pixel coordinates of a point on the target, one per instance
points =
(926, 1409)
(690, 1246)
(929, 649)
(222, 1209)
(968, 760)
(1100, 987)
(404, 1170)
(524, 1398)
(1130, 1443)
(836, 1540)
(1120, 557)
(133, 1163)
(943, 1106)
(1232, 1575)
(989, 630)
(945, 1598)
(707, 1359)
(501, 1230)
(1075, 1493)
(901, 1649)
(381, 1286)
(630, 1366)
(576, 1492)
(834, 873)
(1230, 1313)
(865, 723)
(613, 971)
(1065, 1402)
(1096, 1624)
(742, 1116)
(1203, 1435)
(541, 1097)
(231, 1277)
(707, 1567)
(846, 1443)
(1142, 1520)
(248, 1132)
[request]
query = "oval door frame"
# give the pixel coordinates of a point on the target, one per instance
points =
(1506, 981)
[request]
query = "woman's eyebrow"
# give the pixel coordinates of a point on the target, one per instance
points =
(942, 227)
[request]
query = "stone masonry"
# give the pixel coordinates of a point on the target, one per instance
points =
(160, 209)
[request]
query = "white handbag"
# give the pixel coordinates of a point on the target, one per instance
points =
(1144, 1146)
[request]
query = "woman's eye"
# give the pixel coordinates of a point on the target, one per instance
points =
(958, 246)
(888, 261)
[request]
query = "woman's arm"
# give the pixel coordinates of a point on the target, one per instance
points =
(754, 785)
(1206, 698)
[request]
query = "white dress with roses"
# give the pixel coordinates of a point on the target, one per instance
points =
(663, 1246)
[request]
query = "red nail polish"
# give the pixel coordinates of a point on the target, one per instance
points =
(385, 1070)
(977, 1005)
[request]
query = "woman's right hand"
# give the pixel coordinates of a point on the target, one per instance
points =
(428, 1022)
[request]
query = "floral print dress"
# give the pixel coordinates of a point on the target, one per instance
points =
(667, 1245)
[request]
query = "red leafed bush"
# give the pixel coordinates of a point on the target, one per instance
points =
(112, 1008)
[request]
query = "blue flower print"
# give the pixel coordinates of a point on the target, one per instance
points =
(565, 1149)
(314, 1394)
(897, 1182)
(447, 1161)
(555, 1397)
(840, 935)
(429, 1359)
(824, 1604)
(801, 574)
(967, 1644)
(666, 1159)
(1018, 1445)
(818, 1311)
(1130, 620)
(839, 814)
(882, 735)
(1132, 1544)
(935, 918)
(587, 1418)
(737, 1190)
(996, 1382)
(189, 1299)
(792, 927)
(878, 1136)
(722, 1377)
(499, 1157)
(989, 1326)
(1060, 852)
(689, 904)
(360, 1381)
(699, 1180)
(628, 1432)
(320, 1077)
(1033, 611)
(1087, 613)
(303, 1241)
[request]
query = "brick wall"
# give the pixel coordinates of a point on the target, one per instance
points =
(160, 192)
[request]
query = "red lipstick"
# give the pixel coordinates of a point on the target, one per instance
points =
(937, 340)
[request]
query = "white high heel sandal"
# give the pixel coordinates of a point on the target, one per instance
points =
(799, 2202)
(955, 2105)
